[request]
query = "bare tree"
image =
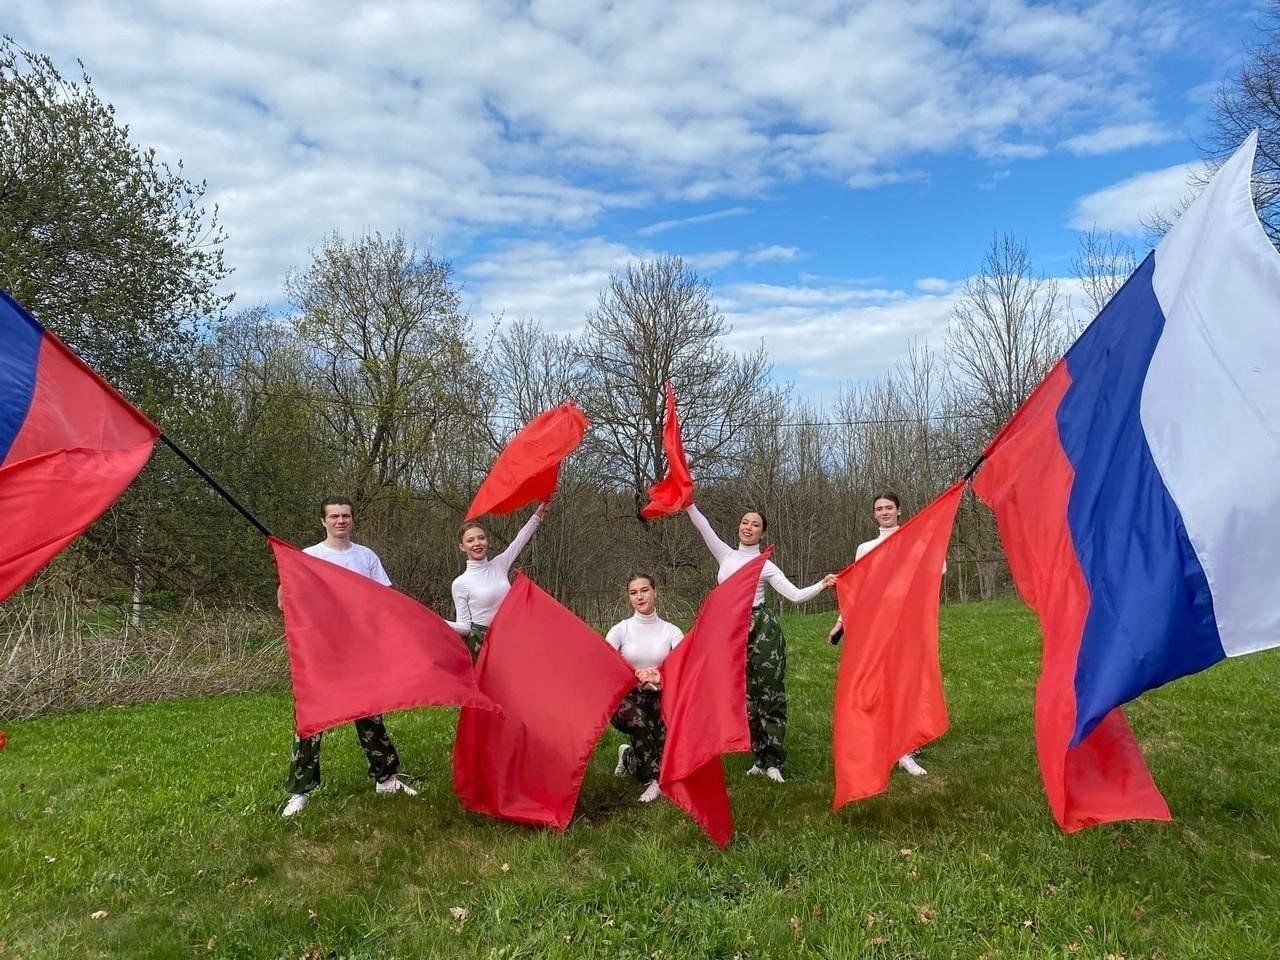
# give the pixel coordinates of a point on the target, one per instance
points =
(1102, 264)
(392, 356)
(1006, 331)
(654, 322)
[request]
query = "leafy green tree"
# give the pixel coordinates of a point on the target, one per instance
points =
(108, 246)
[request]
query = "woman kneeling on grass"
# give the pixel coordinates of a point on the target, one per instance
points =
(644, 641)
(888, 515)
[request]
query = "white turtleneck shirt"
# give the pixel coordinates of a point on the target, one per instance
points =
(480, 589)
(644, 640)
(732, 560)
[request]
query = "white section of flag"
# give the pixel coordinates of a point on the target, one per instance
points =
(1211, 400)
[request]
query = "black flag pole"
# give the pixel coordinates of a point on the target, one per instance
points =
(217, 487)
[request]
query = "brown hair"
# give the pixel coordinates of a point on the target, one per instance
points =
(640, 575)
(462, 530)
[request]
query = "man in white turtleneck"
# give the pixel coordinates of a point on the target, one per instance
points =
(644, 641)
(888, 514)
(480, 589)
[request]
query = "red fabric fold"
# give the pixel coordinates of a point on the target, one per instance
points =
(704, 703)
(528, 468)
(80, 445)
(558, 684)
(357, 648)
(1026, 481)
(674, 491)
(889, 698)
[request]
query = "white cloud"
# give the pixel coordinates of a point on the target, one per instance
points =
(870, 179)
(772, 254)
(662, 226)
(933, 285)
(1109, 139)
(1124, 206)
(455, 120)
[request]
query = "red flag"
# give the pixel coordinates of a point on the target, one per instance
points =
(1026, 481)
(674, 491)
(69, 445)
(529, 466)
(558, 684)
(357, 648)
(704, 702)
(889, 698)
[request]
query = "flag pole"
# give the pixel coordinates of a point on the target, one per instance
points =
(217, 487)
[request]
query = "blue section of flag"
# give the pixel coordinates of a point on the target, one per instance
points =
(1150, 614)
(20, 338)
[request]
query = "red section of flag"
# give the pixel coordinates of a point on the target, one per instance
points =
(79, 447)
(889, 698)
(357, 648)
(528, 468)
(1026, 481)
(704, 702)
(558, 684)
(674, 491)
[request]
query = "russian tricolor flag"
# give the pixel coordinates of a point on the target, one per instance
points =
(69, 445)
(1137, 493)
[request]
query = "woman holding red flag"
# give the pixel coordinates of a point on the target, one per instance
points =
(888, 513)
(644, 640)
(480, 589)
(766, 646)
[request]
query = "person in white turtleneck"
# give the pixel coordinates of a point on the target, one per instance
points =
(766, 646)
(888, 516)
(480, 589)
(644, 641)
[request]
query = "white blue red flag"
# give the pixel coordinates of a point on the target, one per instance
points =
(1137, 493)
(69, 445)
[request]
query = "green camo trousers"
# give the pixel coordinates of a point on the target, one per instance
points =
(639, 716)
(475, 639)
(304, 765)
(767, 687)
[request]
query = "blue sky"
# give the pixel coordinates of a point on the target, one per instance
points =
(835, 170)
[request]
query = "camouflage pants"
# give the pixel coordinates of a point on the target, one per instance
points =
(640, 718)
(767, 687)
(304, 765)
(475, 639)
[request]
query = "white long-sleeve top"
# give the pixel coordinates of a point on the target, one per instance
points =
(884, 534)
(869, 545)
(732, 560)
(480, 589)
(644, 640)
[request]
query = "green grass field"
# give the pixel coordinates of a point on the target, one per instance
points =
(165, 817)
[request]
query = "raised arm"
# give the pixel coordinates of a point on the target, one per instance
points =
(785, 588)
(508, 556)
(719, 549)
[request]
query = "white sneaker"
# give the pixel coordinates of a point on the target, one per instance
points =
(774, 774)
(908, 763)
(755, 770)
(295, 804)
(394, 785)
(621, 769)
(651, 792)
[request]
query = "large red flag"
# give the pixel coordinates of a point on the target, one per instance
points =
(528, 468)
(889, 698)
(1026, 481)
(704, 702)
(674, 491)
(69, 445)
(357, 648)
(558, 684)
